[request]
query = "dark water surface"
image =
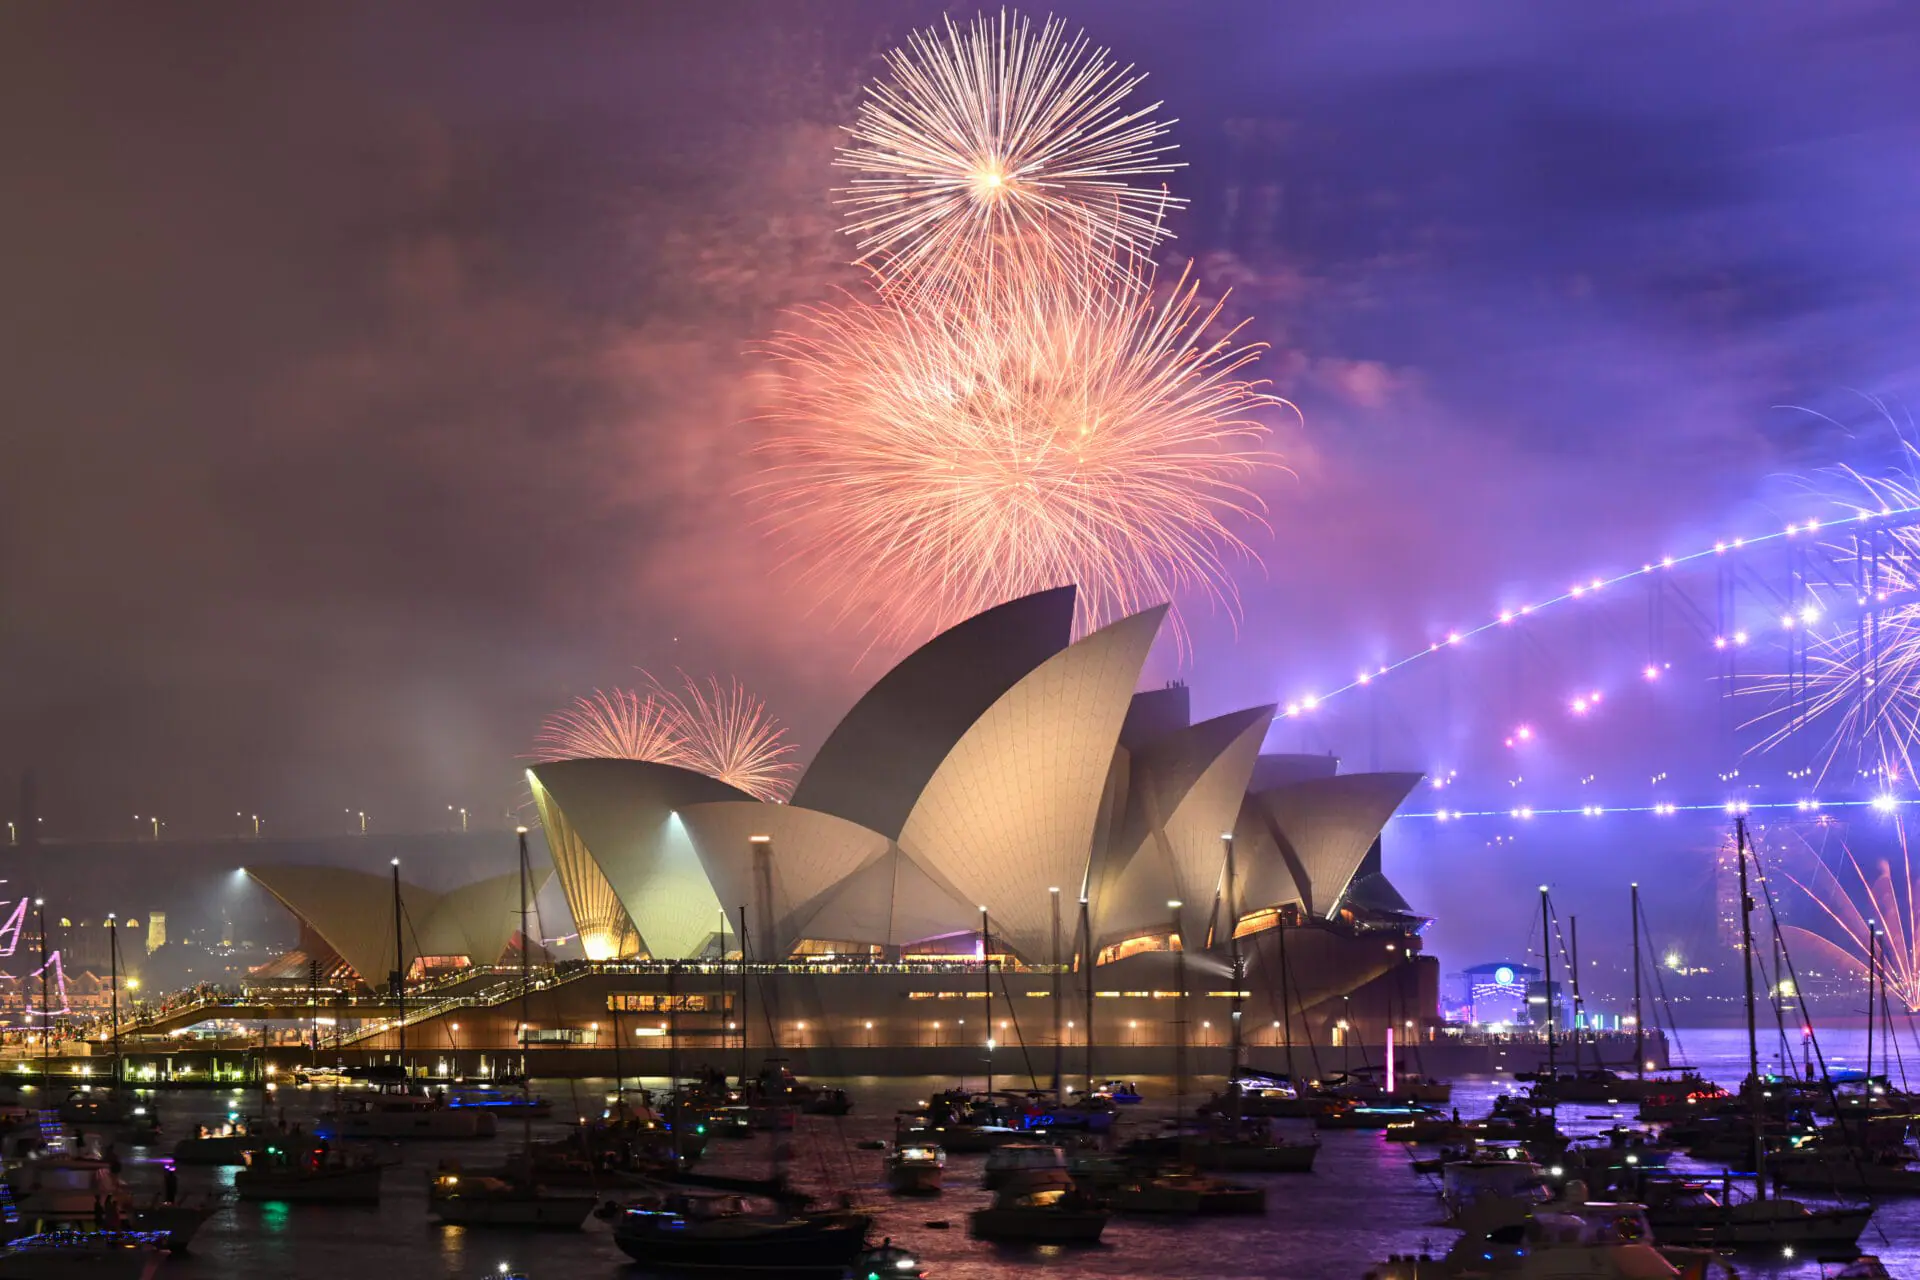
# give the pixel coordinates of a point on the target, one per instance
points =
(1362, 1202)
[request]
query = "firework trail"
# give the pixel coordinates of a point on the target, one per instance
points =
(616, 725)
(1854, 904)
(1012, 434)
(1862, 679)
(717, 729)
(990, 143)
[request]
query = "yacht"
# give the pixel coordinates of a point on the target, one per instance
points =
(1183, 1192)
(1590, 1241)
(915, 1168)
(1010, 1159)
(309, 1176)
(726, 1234)
(480, 1200)
(64, 1192)
(1041, 1206)
(408, 1115)
(1687, 1212)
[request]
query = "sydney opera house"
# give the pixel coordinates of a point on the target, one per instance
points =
(1001, 832)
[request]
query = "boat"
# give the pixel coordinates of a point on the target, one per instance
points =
(1121, 1093)
(722, 1233)
(1686, 1212)
(229, 1144)
(1259, 1093)
(1249, 1147)
(1184, 1192)
(486, 1097)
(1593, 1241)
(311, 1175)
(68, 1192)
(1492, 1189)
(389, 1116)
(915, 1168)
(885, 1261)
(828, 1102)
(83, 1255)
(1040, 1207)
(90, 1107)
(479, 1200)
(1014, 1158)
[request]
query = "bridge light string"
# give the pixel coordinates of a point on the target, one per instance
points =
(1881, 804)
(1309, 702)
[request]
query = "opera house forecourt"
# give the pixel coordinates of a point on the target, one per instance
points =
(1001, 808)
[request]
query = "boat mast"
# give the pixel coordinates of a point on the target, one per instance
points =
(1179, 1014)
(1237, 969)
(1058, 1048)
(399, 972)
(743, 997)
(1546, 977)
(986, 989)
(1286, 994)
(526, 985)
(113, 982)
(1753, 1041)
(1873, 934)
(1579, 1006)
(46, 997)
(1639, 1028)
(1086, 965)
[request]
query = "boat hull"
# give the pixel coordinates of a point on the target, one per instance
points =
(327, 1186)
(915, 1180)
(745, 1248)
(1037, 1226)
(1837, 1229)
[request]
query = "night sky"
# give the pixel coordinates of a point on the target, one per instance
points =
(375, 379)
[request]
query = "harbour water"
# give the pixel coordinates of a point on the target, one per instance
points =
(1362, 1202)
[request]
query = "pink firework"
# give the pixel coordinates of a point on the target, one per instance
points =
(712, 727)
(616, 725)
(1856, 902)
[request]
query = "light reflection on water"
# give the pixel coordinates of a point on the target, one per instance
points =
(1362, 1202)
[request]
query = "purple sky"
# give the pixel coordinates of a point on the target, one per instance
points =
(376, 379)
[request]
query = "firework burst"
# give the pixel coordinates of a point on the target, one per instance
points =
(1861, 683)
(995, 141)
(1061, 426)
(714, 728)
(1853, 905)
(617, 725)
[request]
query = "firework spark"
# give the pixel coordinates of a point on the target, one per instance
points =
(1059, 426)
(1854, 905)
(616, 725)
(717, 729)
(1861, 682)
(995, 139)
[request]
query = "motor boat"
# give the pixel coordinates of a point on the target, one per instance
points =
(1591, 1241)
(83, 1255)
(1121, 1093)
(309, 1175)
(408, 1115)
(68, 1192)
(1186, 1193)
(1014, 1158)
(1687, 1212)
(915, 1168)
(828, 1102)
(728, 1234)
(90, 1107)
(1492, 1189)
(1041, 1206)
(1221, 1147)
(480, 1200)
(228, 1144)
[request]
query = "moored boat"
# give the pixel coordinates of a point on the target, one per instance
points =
(309, 1176)
(84, 1255)
(1040, 1207)
(477, 1200)
(915, 1168)
(390, 1116)
(720, 1233)
(1015, 1158)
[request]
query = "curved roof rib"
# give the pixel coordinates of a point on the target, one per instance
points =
(1186, 792)
(1011, 811)
(880, 757)
(892, 901)
(1324, 827)
(478, 920)
(622, 812)
(810, 855)
(353, 911)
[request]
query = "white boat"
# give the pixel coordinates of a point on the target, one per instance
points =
(1489, 1191)
(82, 1255)
(1011, 1158)
(66, 1192)
(1556, 1242)
(476, 1200)
(389, 1116)
(915, 1168)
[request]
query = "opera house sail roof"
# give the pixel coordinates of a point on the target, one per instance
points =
(986, 770)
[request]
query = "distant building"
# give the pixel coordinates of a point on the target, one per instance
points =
(1497, 992)
(156, 931)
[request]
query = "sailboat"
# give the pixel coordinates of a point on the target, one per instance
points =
(512, 1199)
